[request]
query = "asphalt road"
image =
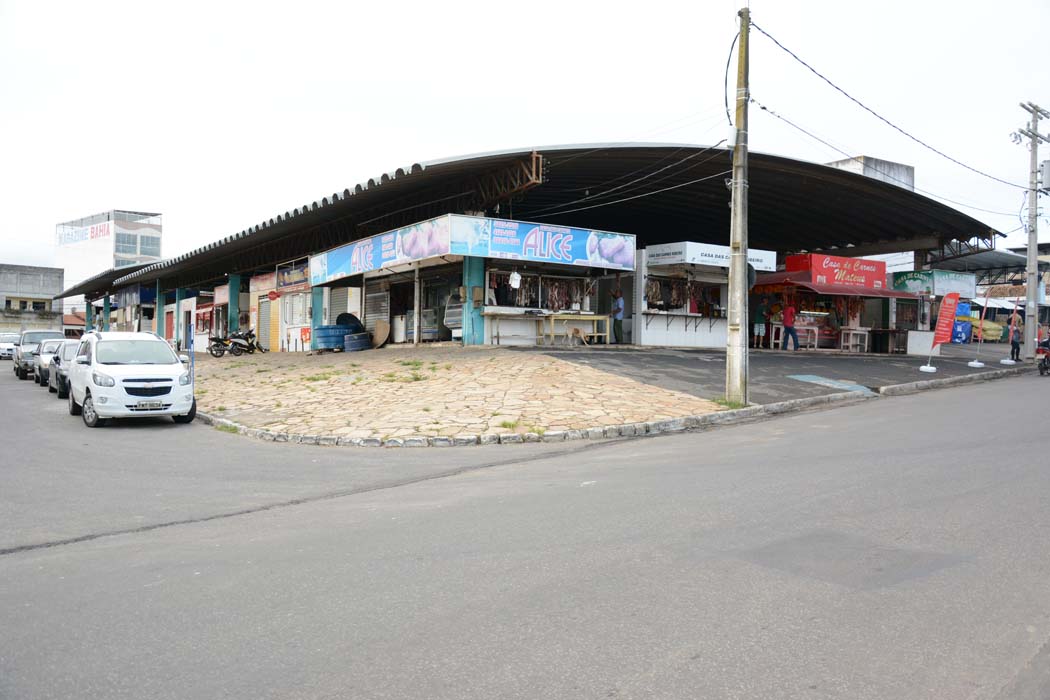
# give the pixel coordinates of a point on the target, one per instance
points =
(775, 375)
(890, 549)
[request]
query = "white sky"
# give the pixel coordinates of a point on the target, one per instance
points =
(221, 114)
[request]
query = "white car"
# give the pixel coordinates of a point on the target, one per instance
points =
(7, 345)
(127, 375)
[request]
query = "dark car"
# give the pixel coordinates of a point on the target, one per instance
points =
(58, 370)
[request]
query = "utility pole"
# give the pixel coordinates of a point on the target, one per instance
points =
(1031, 308)
(736, 340)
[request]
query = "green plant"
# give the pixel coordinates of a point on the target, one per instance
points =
(227, 428)
(323, 377)
(426, 409)
(416, 377)
(509, 424)
(411, 363)
(448, 365)
(221, 408)
(537, 429)
(261, 370)
(724, 403)
(277, 404)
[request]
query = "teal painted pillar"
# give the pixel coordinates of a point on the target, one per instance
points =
(178, 315)
(316, 312)
(158, 311)
(233, 309)
(473, 321)
(88, 313)
(105, 313)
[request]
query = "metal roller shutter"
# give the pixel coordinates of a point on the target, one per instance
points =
(263, 335)
(377, 306)
(337, 303)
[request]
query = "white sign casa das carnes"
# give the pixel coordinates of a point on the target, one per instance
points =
(830, 269)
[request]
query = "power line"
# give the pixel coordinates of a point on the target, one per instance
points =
(868, 165)
(725, 81)
(639, 196)
(879, 116)
(636, 180)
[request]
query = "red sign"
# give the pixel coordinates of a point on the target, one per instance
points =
(304, 334)
(273, 296)
(829, 269)
(946, 319)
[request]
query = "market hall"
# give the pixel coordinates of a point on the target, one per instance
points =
(560, 222)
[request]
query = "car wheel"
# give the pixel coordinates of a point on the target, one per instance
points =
(63, 389)
(23, 375)
(74, 407)
(188, 418)
(87, 412)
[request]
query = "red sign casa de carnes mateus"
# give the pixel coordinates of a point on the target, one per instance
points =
(829, 269)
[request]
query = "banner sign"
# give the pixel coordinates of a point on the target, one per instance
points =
(261, 283)
(544, 243)
(830, 269)
(689, 253)
(946, 319)
(936, 282)
(293, 279)
(454, 234)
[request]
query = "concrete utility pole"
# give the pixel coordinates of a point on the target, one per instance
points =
(1031, 309)
(736, 340)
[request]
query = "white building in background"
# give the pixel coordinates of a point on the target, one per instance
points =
(117, 238)
(897, 174)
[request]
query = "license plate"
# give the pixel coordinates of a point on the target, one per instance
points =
(150, 404)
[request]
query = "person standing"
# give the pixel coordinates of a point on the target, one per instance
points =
(617, 316)
(1015, 341)
(789, 325)
(759, 330)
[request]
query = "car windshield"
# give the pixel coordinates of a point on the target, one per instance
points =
(8, 337)
(49, 346)
(69, 350)
(134, 352)
(34, 337)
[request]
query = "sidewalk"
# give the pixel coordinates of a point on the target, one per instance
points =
(429, 392)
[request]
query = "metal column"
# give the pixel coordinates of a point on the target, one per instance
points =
(417, 321)
(158, 311)
(177, 315)
(233, 308)
(105, 313)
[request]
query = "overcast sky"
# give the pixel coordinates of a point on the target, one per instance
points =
(221, 114)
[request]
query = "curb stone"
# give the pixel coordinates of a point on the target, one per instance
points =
(927, 384)
(673, 425)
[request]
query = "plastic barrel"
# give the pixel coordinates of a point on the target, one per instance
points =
(352, 323)
(352, 342)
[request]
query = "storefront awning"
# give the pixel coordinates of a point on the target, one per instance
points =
(798, 279)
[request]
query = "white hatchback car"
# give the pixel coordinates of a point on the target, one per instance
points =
(124, 375)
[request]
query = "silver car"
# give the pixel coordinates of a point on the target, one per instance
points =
(42, 360)
(7, 345)
(58, 370)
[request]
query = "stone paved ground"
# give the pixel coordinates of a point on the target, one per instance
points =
(429, 391)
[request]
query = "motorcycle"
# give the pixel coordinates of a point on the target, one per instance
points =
(244, 341)
(218, 346)
(1042, 353)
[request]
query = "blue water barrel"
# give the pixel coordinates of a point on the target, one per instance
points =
(352, 342)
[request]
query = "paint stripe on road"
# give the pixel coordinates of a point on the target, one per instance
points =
(832, 383)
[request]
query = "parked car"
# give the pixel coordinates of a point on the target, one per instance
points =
(124, 375)
(7, 345)
(42, 360)
(58, 370)
(29, 343)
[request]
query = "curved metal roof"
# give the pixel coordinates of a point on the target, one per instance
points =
(101, 284)
(660, 192)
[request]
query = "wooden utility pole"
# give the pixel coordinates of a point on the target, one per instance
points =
(736, 339)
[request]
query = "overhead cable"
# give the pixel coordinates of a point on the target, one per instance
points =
(882, 118)
(639, 196)
(868, 165)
